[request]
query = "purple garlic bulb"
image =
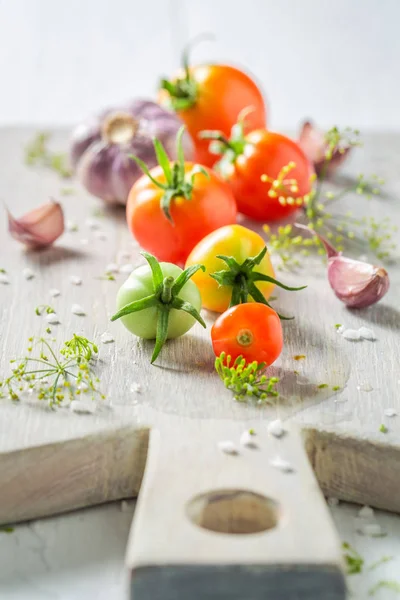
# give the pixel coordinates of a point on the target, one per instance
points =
(100, 147)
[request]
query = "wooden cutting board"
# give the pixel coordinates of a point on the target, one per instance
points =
(53, 461)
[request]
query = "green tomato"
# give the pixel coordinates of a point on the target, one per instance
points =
(144, 322)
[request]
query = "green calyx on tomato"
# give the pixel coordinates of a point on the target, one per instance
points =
(243, 279)
(229, 148)
(165, 297)
(179, 184)
(183, 91)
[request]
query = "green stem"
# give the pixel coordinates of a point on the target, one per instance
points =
(166, 292)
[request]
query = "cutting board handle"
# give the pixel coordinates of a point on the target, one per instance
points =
(209, 524)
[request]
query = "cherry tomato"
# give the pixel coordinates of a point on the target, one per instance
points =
(211, 97)
(211, 206)
(240, 243)
(268, 173)
(252, 330)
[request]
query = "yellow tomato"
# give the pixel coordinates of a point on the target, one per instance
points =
(232, 241)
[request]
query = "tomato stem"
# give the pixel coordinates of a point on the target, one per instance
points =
(166, 292)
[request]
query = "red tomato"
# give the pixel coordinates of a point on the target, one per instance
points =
(268, 173)
(211, 97)
(211, 206)
(252, 330)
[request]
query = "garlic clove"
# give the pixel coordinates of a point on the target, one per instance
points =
(40, 227)
(312, 141)
(357, 284)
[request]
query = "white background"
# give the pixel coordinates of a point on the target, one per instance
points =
(337, 61)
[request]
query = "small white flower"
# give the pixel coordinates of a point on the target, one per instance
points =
(390, 412)
(75, 280)
(76, 309)
(281, 464)
(275, 428)
(4, 278)
(246, 439)
(28, 273)
(54, 292)
(127, 268)
(107, 338)
(366, 334)
(84, 407)
(52, 319)
(136, 388)
(112, 268)
(366, 512)
(228, 447)
(351, 334)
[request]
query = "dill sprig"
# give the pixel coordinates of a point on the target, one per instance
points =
(246, 379)
(343, 229)
(44, 308)
(384, 584)
(54, 378)
(354, 562)
(37, 153)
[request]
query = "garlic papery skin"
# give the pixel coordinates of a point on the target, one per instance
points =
(357, 284)
(40, 227)
(101, 147)
(312, 141)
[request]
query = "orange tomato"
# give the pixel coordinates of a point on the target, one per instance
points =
(211, 97)
(268, 173)
(234, 241)
(253, 331)
(210, 206)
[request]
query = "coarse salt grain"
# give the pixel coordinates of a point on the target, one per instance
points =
(107, 338)
(54, 292)
(77, 309)
(136, 388)
(227, 447)
(4, 278)
(127, 268)
(390, 412)
(246, 439)
(351, 334)
(341, 329)
(281, 464)
(75, 280)
(371, 529)
(366, 512)
(275, 428)
(52, 319)
(28, 273)
(367, 334)
(83, 407)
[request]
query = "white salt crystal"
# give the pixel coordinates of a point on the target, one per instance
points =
(128, 268)
(275, 428)
(351, 334)
(52, 319)
(54, 292)
(28, 273)
(136, 388)
(371, 529)
(75, 280)
(281, 464)
(76, 309)
(390, 412)
(107, 338)
(366, 512)
(112, 268)
(366, 334)
(84, 407)
(4, 278)
(227, 447)
(246, 439)
(333, 501)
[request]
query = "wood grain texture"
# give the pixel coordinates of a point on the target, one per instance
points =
(182, 388)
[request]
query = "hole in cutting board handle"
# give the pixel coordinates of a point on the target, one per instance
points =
(233, 511)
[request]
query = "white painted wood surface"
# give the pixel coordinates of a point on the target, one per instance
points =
(332, 61)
